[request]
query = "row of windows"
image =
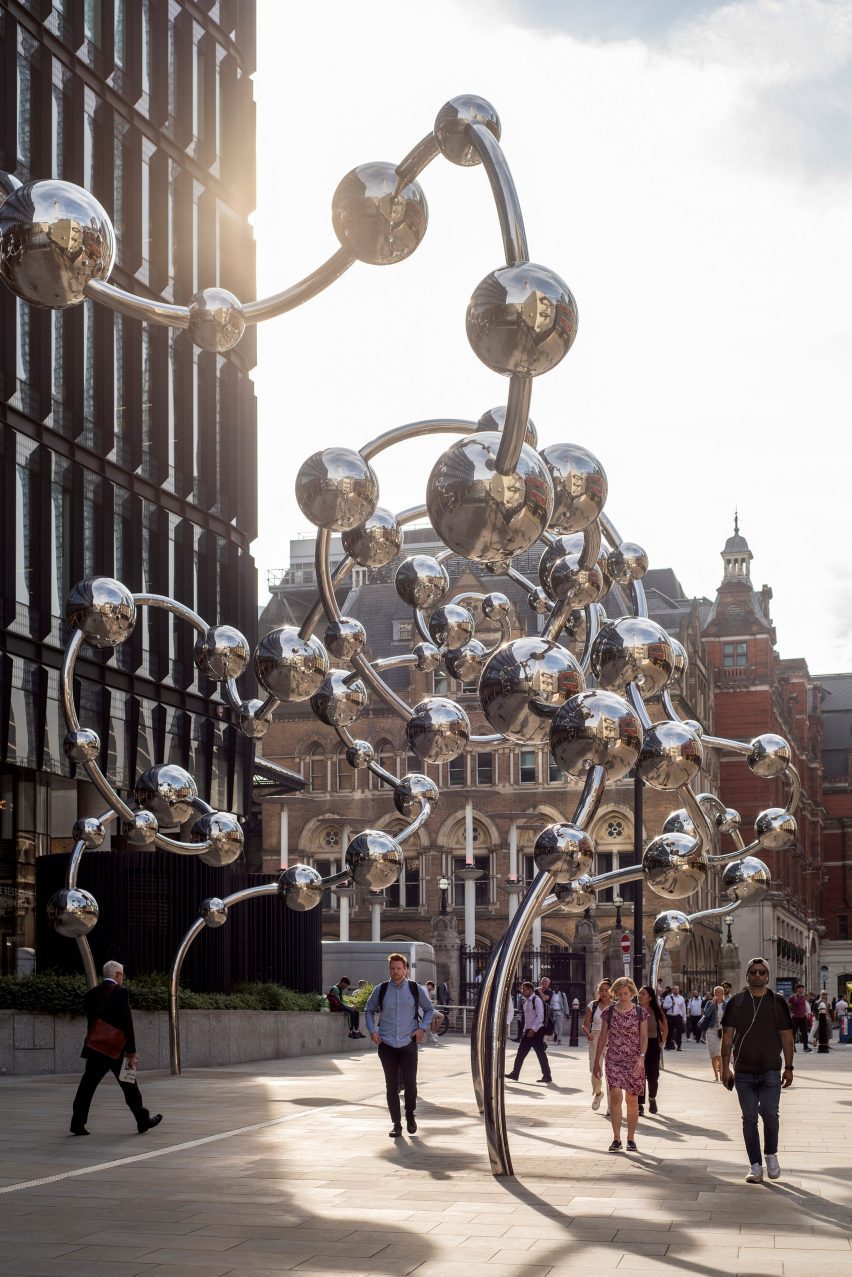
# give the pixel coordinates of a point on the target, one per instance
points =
(324, 772)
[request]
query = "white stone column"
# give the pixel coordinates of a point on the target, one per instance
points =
(536, 943)
(513, 886)
(284, 836)
(468, 832)
(376, 906)
(344, 895)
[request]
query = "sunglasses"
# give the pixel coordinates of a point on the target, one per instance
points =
(758, 971)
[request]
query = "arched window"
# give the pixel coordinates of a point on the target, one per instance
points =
(316, 771)
(346, 775)
(385, 757)
(613, 836)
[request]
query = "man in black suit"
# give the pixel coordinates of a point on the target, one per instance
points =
(110, 1002)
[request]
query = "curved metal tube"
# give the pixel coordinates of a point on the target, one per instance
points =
(725, 857)
(417, 823)
(791, 775)
(699, 818)
(415, 430)
(734, 746)
(717, 911)
(135, 307)
(505, 194)
(630, 873)
(515, 426)
(318, 280)
(416, 160)
(635, 698)
(659, 950)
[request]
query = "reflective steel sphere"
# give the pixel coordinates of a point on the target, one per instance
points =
(748, 880)
(375, 542)
(451, 625)
(681, 661)
(522, 319)
(775, 829)
(427, 656)
(451, 127)
(89, 831)
(289, 667)
(538, 601)
(374, 859)
(564, 850)
(81, 745)
(680, 822)
(167, 791)
(222, 653)
(628, 563)
(495, 606)
(339, 700)
(225, 834)
(8, 184)
(770, 755)
(54, 238)
(484, 515)
(495, 419)
(438, 730)
(672, 927)
(578, 586)
(633, 649)
(214, 911)
(103, 609)
(421, 581)
(522, 681)
(143, 829)
(596, 728)
(729, 822)
(579, 486)
(336, 489)
(72, 912)
(413, 790)
(561, 547)
(675, 866)
(300, 886)
(376, 219)
(694, 725)
(216, 320)
(465, 663)
(672, 755)
(576, 897)
(360, 753)
(344, 638)
(248, 722)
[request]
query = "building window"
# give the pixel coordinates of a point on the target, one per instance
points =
(483, 884)
(403, 631)
(331, 838)
(843, 926)
(527, 768)
(457, 770)
(325, 868)
(734, 655)
(528, 869)
(554, 771)
(615, 829)
(317, 775)
(345, 773)
(485, 769)
(405, 893)
(441, 685)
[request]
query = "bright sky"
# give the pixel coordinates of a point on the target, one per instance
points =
(685, 167)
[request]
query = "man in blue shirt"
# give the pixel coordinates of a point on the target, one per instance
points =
(532, 1038)
(398, 1035)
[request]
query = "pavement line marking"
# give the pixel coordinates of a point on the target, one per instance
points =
(175, 1148)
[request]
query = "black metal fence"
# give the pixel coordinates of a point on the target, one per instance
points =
(701, 978)
(566, 970)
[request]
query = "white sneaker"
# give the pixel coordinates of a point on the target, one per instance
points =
(772, 1166)
(596, 1102)
(755, 1174)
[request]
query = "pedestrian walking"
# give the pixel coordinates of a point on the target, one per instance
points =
(657, 1029)
(438, 1017)
(592, 1024)
(757, 1028)
(798, 1004)
(824, 1018)
(694, 1012)
(558, 1009)
(677, 1019)
(405, 1015)
(110, 1047)
(532, 1038)
(711, 1023)
(624, 1039)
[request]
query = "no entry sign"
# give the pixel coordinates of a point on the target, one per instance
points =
(625, 944)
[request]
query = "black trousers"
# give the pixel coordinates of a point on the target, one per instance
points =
(693, 1031)
(800, 1030)
(353, 1015)
(534, 1043)
(675, 1036)
(97, 1067)
(400, 1066)
(652, 1069)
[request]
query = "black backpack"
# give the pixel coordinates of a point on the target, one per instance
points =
(414, 989)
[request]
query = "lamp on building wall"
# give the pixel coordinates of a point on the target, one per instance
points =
(443, 887)
(728, 923)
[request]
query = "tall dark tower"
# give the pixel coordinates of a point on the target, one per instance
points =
(124, 450)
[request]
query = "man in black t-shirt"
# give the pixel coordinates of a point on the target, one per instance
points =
(757, 1027)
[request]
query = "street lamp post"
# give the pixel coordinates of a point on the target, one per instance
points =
(618, 902)
(443, 887)
(728, 923)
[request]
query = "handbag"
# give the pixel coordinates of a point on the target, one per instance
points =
(106, 1038)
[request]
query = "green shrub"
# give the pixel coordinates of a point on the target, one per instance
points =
(359, 997)
(54, 994)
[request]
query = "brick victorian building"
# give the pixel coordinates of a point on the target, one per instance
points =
(836, 947)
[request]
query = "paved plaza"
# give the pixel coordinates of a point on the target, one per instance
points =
(287, 1166)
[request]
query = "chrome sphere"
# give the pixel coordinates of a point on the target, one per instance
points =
(673, 928)
(427, 657)
(300, 887)
(627, 563)
(465, 663)
(674, 865)
(167, 791)
(54, 239)
(495, 606)
(747, 880)
(484, 515)
(576, 897)
(289, 667)
(377, 220)
(336, 489)
(694, 725)
(728, 822)
(495, 419)
(142, 830)
(538, 601)
(375, 542)
(224, 833)
(596, 728)
(579, 485)
(452, 127)
(633, 649)
(524, 683)
(672, 755)
(775, 829)
(102, 609)
(374, 860)
(344, 638)
(680, 822)
(576, 585)
(81, 745)
(521, 319)
(564, 850)
(214, 911)
(360, 753)
(421, 581)
(438, 730)
(248, 722)
(451, 625)
(215, 320)
(72, 912)
(553, 554)
(90, 831)
(414, 789)
(681, 660)
(8, 184)
(222, 653)
(339, 700)
(770, 755)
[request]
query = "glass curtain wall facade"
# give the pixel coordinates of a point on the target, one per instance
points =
(124, 450)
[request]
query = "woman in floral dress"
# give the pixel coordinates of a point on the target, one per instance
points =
(624, 1038)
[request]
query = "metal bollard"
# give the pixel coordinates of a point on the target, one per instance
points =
(574, 1039)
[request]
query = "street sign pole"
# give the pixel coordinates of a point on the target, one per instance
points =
(625, 953)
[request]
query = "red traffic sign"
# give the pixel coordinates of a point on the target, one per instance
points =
(625, 944)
